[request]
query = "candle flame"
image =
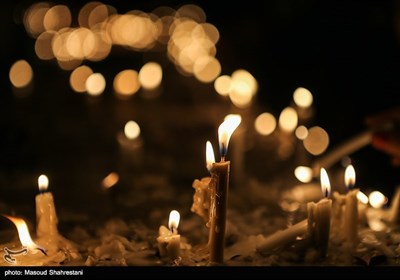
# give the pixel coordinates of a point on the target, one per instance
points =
(174, 218)
(24, 236)
(350, 176)
(225, 131)
(303, 174)
(325, 184)
(362, 197)
(43, 183)
(377, 199)
(210, 158)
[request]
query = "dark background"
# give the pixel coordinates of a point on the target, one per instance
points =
(345, 52)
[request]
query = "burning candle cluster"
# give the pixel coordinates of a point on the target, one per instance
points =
(252, 221)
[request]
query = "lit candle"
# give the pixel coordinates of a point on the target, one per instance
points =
(350, 226)
(219, 191)
(169, 241)
(46, 218)
(202, 195)
(319, 217)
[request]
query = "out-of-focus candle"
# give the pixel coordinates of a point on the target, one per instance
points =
(46, 217)
(350, 226)
(393, 215)
(319, 217)
(169, 241)
(362, 207)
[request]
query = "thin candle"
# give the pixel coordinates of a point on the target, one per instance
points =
(350, 227)
(219, 191)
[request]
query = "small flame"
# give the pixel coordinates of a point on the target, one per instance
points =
(24, 236)
(350, 176)
(43, 183)
(225, 131)
(173, 223)
(303, 174)
(210, 158)
(362, 197)
(325, 184)
(377, 199)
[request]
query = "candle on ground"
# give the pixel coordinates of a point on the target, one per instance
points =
(350, 226)
(46, 218)
(319, 217)
(219, 191)
(169, 241)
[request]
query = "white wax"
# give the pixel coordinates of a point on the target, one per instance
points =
(46, 217)
(337, 223)
(169, 243)
(282, 237)
(350, 228)
(202, 198)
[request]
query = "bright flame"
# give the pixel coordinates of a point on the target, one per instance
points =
(288, 119)
(24, 236)
(325, 184)
(377, 199)
(210, 158)
(301, 132)
(174, 218)
(350, 176)
(225, 131)
(132, 130)
(362, 197)
(265, 123)
(110, 180)
(43, 183)
(302, 97)
(303, 174)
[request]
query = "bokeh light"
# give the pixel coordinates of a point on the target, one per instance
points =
(78, 78)
(21, 74)
(150, 75)
(288, 119)
(126, 82)
(317, 140)
(265, 123)
(95, 84)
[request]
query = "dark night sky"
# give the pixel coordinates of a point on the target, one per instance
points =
(347, 53)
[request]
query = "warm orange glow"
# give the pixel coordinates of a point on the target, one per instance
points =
(210, 31)
(132, 130)
(99, 14)
(80, 43)
(95, 84)
(301, 132)
(24, 236)
(57, 17)
(302, 97)
(110, 180)
(191, 11)
(303, 174)
(377, 199)
(325, 184)
(173, 222)
(20, 74)
(288, 119)
(126, 82)
(206, 69)
(85, 11)
(350, 176)
(222, 85)
(59, 45)
(43, 47)
(210, 158)
(317, 141)
(78, 78)
(43, 183)
(362, 197)
(150, 75)
(225, 131)
(265, 124)
(33, 18)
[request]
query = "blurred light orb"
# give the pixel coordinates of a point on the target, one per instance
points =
(265, 123)
(132, 130)
(95, 84)
(150, 75)
(302, 97)
(78, 78)
(126, 82)
(21, 74)
(288, 119)
(317, 140)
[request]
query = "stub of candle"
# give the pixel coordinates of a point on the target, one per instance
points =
(168, 243)
(46, 215)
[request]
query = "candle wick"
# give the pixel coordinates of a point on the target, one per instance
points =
(222, 158)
